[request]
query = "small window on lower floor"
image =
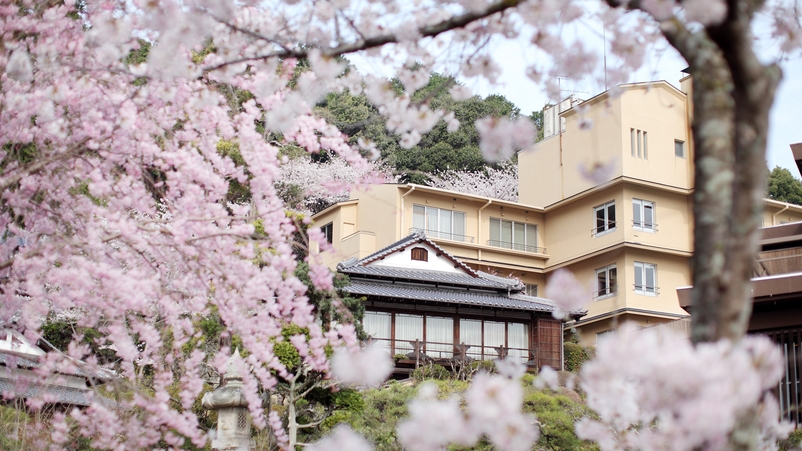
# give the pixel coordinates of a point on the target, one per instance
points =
(420, 254)
(603, 335)
(606, 281)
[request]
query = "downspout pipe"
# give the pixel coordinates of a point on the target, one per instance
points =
(479, 228)
(774, 216)
(399, 236)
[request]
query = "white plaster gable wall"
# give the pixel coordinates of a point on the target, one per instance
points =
(13, 341)
(403, 259)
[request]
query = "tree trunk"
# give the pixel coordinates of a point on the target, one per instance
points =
(732, 95)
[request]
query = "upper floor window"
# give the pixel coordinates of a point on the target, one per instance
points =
(420, 254)
(513, 235)
(605, 218)
(439, 223)
(531, 289)
(639, 141)
(646, 278)
(679, 148)
(328, 231)
(643, 215)
(603, 335)
(606, 281)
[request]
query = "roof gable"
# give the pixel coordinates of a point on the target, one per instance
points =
(398, 255)
(421, 256)
(14, 342)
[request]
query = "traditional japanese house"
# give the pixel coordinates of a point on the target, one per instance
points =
(423, 303)
(19, 359)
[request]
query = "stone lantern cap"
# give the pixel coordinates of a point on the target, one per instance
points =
(229, 394)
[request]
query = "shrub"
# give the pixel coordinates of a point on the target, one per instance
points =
(556, 414)
(576, 355)
(432, 371)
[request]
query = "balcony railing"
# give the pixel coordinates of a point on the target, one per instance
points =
(642, 225)
(781, 261)
(608, 226)
(420, 351)
(443, 235)
(644, 289)
(516, 246)
(605, 292)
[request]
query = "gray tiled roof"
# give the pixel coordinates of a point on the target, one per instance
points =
(470, 278)
(484, 280)
(22, 362)
(473, 298)
(57, 394)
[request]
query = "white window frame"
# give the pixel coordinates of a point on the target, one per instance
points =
(642, 269)
(531, 289)
(609, 290)
(607, 222)
(436, 232)
(604, 335)
(512, 244)
(641, 206)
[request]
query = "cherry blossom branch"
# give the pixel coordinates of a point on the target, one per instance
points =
(6, 183)
(428, 31)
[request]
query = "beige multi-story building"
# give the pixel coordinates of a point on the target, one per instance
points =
(607, 195)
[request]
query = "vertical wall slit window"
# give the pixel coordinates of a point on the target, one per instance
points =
(639, 142)
(513, 235)
(646, 279)
(487, 340)
(679, 148)
(606, 282)
(605, 218)
(440, 223)
(643, 215)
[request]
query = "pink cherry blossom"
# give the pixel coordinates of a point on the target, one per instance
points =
(367, 367)
(567, 293)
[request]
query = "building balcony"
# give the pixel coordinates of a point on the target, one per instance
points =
(436, 234)
(516, 246)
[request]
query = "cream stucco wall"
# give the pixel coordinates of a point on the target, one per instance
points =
(673, 216)
(778, 213)
(570, 227)
(659, 110)
(552, 168)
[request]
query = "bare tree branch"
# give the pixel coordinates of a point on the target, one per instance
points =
(378, 41)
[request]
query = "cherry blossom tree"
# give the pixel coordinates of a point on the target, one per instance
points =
(114, 195)
(311, 187)
(499, 183)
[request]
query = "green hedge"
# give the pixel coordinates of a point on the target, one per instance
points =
(576, 355)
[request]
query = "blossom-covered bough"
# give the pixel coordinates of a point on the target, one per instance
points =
(114, 199)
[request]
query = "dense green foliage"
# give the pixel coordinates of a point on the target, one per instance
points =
(576, 355)
(792, 442)
(783, 186)
(438, 150)
(556, 414)
(385, 407)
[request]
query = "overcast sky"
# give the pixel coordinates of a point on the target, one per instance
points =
(515, 56)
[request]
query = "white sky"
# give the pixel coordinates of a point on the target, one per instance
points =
(516, 55)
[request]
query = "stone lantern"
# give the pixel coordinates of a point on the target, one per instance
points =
(233, 424)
